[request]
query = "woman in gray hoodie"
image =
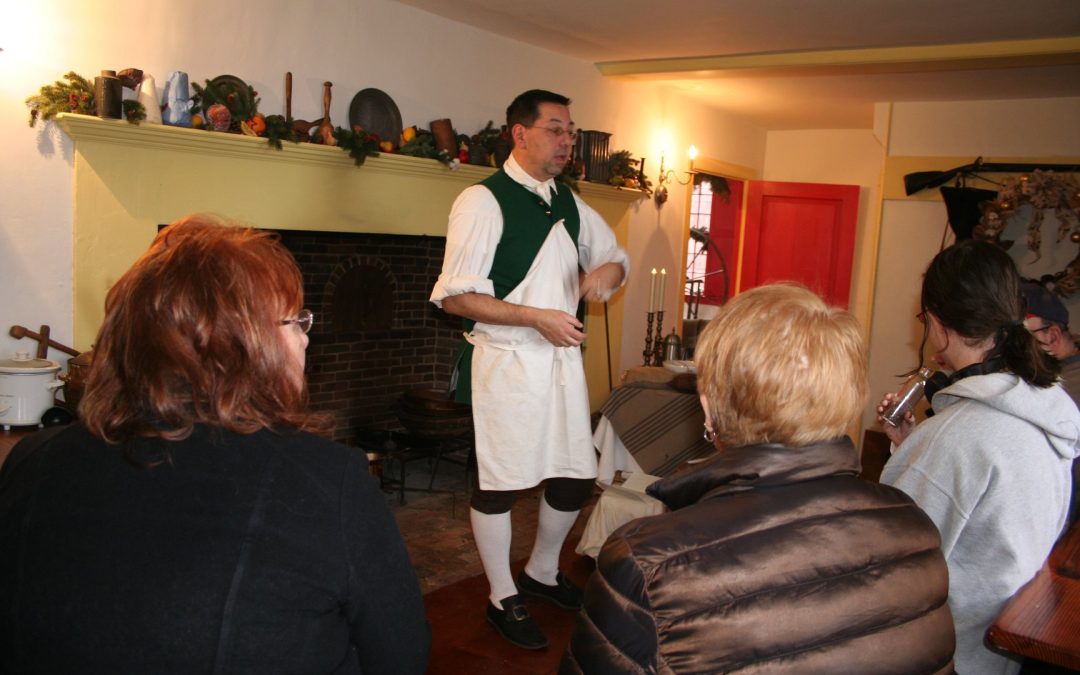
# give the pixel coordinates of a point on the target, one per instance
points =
(992, 466)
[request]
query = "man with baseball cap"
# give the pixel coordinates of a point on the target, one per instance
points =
(1048, 321)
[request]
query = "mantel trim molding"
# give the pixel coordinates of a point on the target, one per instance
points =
(84, 128)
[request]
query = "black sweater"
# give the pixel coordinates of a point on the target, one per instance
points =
(260, 553)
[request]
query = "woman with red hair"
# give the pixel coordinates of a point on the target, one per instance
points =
(191, 522)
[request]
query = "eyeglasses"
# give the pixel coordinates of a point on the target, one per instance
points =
(305, 319)
(559, 134)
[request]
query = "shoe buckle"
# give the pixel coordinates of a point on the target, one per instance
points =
(519, 612)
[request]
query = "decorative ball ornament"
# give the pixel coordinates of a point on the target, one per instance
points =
(219, 116)
(1075, 237)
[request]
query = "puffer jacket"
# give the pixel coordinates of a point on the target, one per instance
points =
(772, 559)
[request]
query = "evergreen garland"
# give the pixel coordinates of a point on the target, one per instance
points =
(279, 129)
(75, 96)
(625, 172)
(359, 144)
(241, 104)
(421, 145)
(134, 111)
(718, 184)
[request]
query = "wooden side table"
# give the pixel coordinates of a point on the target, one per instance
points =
(1042, 620)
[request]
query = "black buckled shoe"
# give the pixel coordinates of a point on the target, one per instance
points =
(514, 623)
(564, 593)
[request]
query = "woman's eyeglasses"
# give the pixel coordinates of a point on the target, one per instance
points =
(304, 320)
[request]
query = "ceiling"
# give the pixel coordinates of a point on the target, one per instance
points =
(805, 64)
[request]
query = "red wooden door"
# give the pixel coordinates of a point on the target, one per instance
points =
(801, 232)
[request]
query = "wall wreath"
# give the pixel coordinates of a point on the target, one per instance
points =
(1045, 192)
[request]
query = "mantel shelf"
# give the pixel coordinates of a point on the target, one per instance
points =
(85, 128)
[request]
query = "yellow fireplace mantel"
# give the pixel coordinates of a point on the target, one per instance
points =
(130, 179)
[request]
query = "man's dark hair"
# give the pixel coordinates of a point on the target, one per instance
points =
(526, 107)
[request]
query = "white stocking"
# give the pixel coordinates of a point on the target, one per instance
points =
(492, 534)
(551, 530)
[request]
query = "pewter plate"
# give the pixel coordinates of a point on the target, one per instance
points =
(374, 111)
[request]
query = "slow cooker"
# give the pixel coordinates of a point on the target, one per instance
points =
(26, 389)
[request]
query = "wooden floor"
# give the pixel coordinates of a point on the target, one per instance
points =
(463, 642)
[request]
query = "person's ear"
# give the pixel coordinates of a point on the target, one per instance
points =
(705, 407)
(517, 133)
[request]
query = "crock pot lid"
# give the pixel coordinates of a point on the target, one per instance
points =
(11, 365)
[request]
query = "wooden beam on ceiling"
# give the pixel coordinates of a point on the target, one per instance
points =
(964, 56)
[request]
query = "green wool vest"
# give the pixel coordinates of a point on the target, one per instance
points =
(527, 221)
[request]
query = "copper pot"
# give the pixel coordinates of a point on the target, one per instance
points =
(76, 377)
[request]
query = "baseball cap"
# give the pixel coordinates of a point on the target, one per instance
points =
(1041, 302)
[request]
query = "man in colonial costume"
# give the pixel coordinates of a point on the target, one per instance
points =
(521, 251)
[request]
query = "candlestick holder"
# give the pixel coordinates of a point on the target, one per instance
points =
(658, 341)
(648, 353)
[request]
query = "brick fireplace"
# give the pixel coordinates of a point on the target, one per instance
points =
(375, 335)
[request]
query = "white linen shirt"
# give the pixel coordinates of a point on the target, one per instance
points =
(476, 226)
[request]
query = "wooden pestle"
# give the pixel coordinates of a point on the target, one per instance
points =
(19, 332)
(43, 343)
(326, 129)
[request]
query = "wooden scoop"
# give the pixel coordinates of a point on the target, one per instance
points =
(302, 128)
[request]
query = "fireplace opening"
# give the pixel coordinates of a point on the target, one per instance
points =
(376, 335)
(364, 297)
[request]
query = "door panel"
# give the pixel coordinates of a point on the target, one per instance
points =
(723, 231)
(801, 232)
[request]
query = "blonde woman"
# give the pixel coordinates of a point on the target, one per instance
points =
(775, 557)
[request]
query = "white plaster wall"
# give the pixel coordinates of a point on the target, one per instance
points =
(1048, 127)
(433, 68)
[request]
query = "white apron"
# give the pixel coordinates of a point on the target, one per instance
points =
(530, 403)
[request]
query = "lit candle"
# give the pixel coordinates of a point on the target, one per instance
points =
(652, 291)
(663, 282)
(692, 152)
